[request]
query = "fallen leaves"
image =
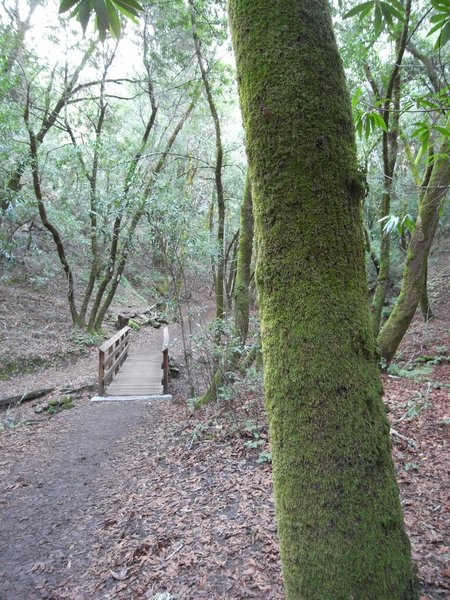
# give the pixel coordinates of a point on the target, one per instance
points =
(120, 575)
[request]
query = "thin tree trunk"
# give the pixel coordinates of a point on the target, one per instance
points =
(99, 309)
(14, 184)
(371, 251)
(243, 267)
(117, 225)
(230, 268)
(390, 151)
(242, 297)
(44, 218)
(92, 179)
(416, 259)
(220, 276)
(337, 501)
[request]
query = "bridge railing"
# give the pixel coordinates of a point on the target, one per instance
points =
(111, 356)
(165, 361)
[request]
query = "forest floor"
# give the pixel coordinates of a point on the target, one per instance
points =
(115, 501)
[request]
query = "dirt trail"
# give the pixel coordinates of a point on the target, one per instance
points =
(60, 484)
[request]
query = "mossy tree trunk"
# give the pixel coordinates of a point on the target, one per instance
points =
(414, 272)
(425, 305)
(243, 269)
(338, 512)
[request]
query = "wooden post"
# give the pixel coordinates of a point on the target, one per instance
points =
(101, 372)
(165, 361)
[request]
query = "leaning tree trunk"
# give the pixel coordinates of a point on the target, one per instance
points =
(416, 259)
(337, 502)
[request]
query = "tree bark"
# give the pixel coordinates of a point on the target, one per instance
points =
(337, 502)
(425, 305)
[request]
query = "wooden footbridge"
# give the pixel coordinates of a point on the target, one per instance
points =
(127, 375)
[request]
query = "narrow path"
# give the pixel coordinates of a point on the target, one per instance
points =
(60, 483)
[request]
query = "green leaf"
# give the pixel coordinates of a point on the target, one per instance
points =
(408, 223)
(408, 466)
(367, 126)
(391, 10)
(67, 5)
(438, 18)
(359, 9)
(379, 121)
(84, 13)
(102, 17)
(378, 20)
(440, 4)
(445, 132)
(125, 11)
(386, 14)
(444, 37)
(114, 21)
(434, 29)
(356, 97)
(398, 5)
(359, 126)
(130, 5)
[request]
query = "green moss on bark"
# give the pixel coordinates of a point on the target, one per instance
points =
(338, 512)
(244, 259)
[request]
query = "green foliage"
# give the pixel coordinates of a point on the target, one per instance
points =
(412, 372)
(398, 223)
(55, 405)
(434, 360)
(366, 122)
(85, 338)
(107, 13)
(199, 431)
(264, 457)
(19, 367)
(384, 14)
(257, 436)
(410, 466)
(214, 346)
(441, 21)
(133, 325)
(423, 131)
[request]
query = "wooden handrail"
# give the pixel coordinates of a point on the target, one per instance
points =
(111, 356)
(165, 361)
